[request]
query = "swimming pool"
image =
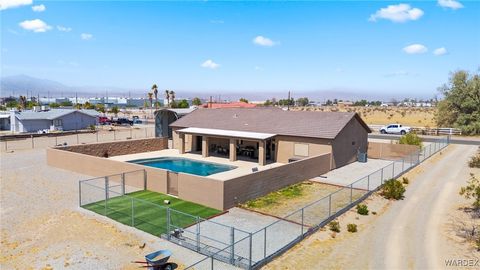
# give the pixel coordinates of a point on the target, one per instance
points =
(184, 165)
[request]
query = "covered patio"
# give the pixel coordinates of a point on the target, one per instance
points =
(232, 144)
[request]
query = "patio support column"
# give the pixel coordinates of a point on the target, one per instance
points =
(205, 146)
(181, 143)
(233, 149)
(262, 154)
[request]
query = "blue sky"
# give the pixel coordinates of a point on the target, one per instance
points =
(353, 46)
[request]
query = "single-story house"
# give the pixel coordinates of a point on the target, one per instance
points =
(272, 134)
(54, 119)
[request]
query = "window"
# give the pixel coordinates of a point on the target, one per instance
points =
(300, 149)
(57, 122)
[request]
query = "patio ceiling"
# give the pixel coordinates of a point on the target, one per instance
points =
(227, 133)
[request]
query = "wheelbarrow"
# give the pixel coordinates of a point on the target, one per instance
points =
(157, 260)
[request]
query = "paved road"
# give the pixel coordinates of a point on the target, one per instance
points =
(453, 140)
(414, 227)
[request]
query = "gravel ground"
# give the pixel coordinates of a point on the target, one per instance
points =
(42, 226)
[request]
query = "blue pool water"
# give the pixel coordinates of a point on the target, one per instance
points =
(184, 165)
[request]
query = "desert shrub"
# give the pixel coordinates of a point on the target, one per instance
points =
(334, 226)
(362, 209)
(392, 189)
(405, 180)
(474, 161)
(472, 191)
(352, 228)
(410, 139)
(374, 213)
(92, 127)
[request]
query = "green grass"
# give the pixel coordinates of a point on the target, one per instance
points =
(150, 215)
(289, 192)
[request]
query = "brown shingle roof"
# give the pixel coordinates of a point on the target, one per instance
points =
(271, 120)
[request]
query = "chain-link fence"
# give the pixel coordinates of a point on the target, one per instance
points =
(279, 236)
(226, 246)
(101, 134)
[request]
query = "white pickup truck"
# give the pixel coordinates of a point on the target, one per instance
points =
(395, 129)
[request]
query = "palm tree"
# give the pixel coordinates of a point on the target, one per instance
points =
(23, 102)
(150, 97)
(167, 97)
(155, 93)
(172, 95)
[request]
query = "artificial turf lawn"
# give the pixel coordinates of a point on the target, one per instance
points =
(151, 218)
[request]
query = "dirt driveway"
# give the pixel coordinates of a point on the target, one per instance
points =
(408, 234)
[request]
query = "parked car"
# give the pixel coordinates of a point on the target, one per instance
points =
(103, 120)
(123, 121)
(395, 129)
(136, 119)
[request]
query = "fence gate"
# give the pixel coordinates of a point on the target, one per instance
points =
(172, 183)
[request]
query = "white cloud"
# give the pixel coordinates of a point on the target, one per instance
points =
(415, 49)
(210, 64)
(37, 26)
(63, 28)
(6, 4)
(86, 36)
(39, 8)
(440, 51)
(450, 4)
(263, 41)
(397, 13)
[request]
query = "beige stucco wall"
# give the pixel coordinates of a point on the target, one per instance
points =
(390, 150)
(120, 147)
(201, 190)
(251, 186)
(286, 147)
(349, 141)
(97, 166)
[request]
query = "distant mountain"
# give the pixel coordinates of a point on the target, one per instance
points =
(23, 83)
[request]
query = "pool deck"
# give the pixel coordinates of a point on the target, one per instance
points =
(243, 167)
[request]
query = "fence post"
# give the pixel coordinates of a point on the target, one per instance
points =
(106, 194)
(114, 135)
(96, 134)
(133, 213)
(403, 164)
(381, 176)
(144, 179)
(302, 221)
(265, 242)
(6, 146)
(211, 266)
(351, 192)
(393, 169)
(197, 238)
(250, 252)
(123, 183)
(78, 140)
(168, 223)
(368, 183)
(33, 144)
(329, 205)
(145, 132)
(56, 138)
(232, 243)
(80, 193)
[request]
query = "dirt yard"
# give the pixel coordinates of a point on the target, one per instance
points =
(42, 226)
(415, 117)
(414, 233)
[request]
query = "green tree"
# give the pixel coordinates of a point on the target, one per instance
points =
(361, 103)
(472, 191)
(167, 97)
(172, 96)
(329, 102)
(244, 100)
(12, 104)
(88, 105)
(302, 101)
(460, 107)
(114, 110)
(411, 139)
(66, 103)
(150, 98)
(183, 104)
(196, 101)
(54, 105)
(268, 102)
(100, 108)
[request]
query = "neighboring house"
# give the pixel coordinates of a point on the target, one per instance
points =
(54, 119)
(272, 134)
(237, 104)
